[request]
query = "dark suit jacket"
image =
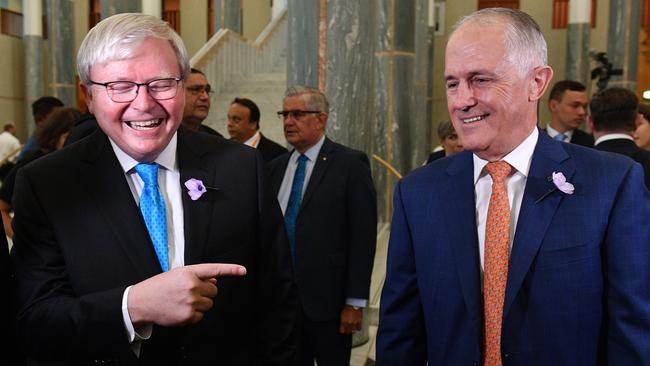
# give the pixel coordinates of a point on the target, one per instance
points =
(80, 240)
(580, 137)
(629, 148)
(269, 149)
(336, 230)
(9, 351)
(577, 291)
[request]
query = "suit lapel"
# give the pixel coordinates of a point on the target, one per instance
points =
(112, 197)
(461, 216)
(320, 166)
(535, 215)
(196, 214)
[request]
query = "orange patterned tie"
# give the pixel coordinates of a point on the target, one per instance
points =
(497, 252)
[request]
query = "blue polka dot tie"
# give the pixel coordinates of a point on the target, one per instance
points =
(295, 198)
(152, 206)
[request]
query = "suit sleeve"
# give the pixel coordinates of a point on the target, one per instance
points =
(362, 228)
(277, 337)
(401, 338)
(53, 322)
(627, 274)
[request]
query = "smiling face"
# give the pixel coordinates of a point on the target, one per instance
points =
(492, 106)
(141, 128)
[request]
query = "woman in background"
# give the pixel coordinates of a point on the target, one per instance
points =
(642, 132)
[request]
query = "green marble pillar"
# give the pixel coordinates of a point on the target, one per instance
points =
(61, 60)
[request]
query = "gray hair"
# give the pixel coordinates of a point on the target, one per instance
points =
(315, 100)
(116, 37)
(524, 41)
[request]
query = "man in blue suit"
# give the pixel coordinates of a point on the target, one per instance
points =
(576, 279)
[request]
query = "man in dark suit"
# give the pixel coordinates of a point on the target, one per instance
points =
(567, 102)
(330, 211)
(244, 126)
(198, 94)
(120, 237)
(9, 349)
(614, 117)
(520, 250)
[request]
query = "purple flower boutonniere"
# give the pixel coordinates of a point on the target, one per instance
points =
(196, 188)
(559, 180)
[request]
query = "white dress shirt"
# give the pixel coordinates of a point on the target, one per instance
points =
(613, 136)
(170, 187)
(520, 159)
(254, 140)
(553, 132)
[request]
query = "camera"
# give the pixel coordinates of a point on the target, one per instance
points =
(604, 70)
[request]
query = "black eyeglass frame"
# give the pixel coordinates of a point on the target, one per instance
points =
(137, 89)
(296, 114)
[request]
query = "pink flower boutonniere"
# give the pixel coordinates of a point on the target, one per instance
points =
(561, 184)
(196, 188)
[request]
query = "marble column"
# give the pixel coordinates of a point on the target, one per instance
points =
(152, 7)
(303, 42)
(623, 41)
(394, 77)
(61, 63)
(33, 42)
(112, 7)
(577, 43)
(227, 14)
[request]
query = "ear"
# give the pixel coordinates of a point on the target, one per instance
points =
(322, 120)
(539, 82)
(88, 97)
(590, 123)
(552, 105)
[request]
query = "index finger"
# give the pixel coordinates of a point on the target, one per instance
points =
(212, 270)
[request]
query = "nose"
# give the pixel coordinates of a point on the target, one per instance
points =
(143, 100)
(463, 97)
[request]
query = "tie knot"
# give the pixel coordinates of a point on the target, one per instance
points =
(498, 170)
(148, 172)
(560, 137)
(302, 158)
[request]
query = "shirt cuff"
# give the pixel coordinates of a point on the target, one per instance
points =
(143, 332)
(357, 303)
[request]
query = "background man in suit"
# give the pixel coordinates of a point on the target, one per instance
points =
(567, 102)
(197, 102)
(614, 117)
(244, 126)
(41, 108)
(520, 269)
(330, 211)
(92, 288)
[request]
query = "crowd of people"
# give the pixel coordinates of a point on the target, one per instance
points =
(142, 236)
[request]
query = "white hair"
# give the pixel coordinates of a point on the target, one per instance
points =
(116, 37)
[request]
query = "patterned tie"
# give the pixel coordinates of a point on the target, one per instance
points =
(497, 251)
(295, 198)
(560, 137)
(152, 206)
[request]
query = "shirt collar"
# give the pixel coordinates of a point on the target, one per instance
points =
(166, 159)
(312, 152)
(519, 158)
(252, 141)
(553, 132)
(613, 136)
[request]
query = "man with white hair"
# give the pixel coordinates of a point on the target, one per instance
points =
(521, 250)
(120, 238)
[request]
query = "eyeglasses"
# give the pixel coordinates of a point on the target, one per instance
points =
(295, 114)
(127, 91)
(198, 89)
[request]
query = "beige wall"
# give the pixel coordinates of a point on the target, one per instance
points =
(256, 15)
(194, 24)
(12, 83)
(556, 39)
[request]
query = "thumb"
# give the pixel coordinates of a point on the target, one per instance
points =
(212, 270)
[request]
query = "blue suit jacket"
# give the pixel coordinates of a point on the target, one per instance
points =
(578, 289)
